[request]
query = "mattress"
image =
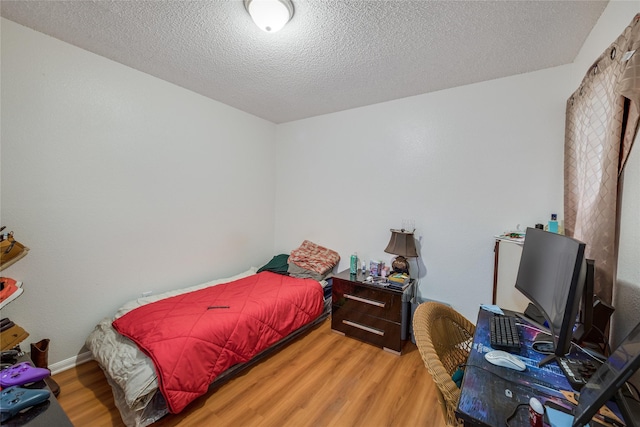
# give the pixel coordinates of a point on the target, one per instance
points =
(132, 374)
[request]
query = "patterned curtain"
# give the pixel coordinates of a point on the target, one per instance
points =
(601, 125)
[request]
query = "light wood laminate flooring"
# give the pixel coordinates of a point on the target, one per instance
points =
(320, 379)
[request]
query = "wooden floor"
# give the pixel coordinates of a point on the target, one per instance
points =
(321, 379)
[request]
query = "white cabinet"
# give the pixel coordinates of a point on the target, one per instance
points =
(507, 261)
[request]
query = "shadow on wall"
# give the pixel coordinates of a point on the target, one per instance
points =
(627, 315)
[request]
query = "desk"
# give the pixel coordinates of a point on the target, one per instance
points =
(489, 394)
(45, 414)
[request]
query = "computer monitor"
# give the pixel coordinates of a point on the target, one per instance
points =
(608, 381)
(551, 275)
(590, 312)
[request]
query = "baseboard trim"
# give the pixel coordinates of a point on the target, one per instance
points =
(71, 362)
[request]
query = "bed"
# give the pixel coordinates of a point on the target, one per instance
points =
(156, 352)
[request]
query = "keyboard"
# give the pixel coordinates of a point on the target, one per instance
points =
(504, 333)
(577, 371)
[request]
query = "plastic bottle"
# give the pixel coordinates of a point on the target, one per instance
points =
(536, 412)
(553, 223)
(354, 263)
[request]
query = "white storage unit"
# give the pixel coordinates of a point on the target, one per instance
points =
(507, 261)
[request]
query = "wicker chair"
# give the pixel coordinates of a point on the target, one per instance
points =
(443, 337)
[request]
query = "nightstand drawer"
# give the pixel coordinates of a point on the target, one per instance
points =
(373, 330)
(374, 302)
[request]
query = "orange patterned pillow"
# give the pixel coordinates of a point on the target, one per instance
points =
(314, 257)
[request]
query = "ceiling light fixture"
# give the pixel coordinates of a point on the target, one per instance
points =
(270, 15)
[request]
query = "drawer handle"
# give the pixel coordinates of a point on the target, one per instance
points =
(364, 300)
(364, 328)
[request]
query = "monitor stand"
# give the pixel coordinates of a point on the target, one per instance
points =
(543, 344)
(548, 359)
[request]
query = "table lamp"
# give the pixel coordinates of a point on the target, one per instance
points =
(402, 243)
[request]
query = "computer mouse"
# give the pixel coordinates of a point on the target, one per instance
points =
(508, 360)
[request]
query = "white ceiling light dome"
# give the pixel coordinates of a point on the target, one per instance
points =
(270, 15)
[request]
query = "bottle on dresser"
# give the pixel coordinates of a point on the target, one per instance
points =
(354, 263)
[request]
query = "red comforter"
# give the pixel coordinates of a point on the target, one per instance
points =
(194, 337)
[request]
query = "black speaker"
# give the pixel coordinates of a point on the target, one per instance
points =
(601, 316)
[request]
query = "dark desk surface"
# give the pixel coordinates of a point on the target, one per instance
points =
(45, 414)
(490, 393)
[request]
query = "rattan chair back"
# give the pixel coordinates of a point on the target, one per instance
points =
(443, 337)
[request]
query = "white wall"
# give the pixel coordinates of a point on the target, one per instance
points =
(120, 183)
(464, 164)
(627, 296)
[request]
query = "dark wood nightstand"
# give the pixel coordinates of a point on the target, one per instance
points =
(371, 312)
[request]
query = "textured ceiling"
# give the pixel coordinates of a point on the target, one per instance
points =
(332, 56)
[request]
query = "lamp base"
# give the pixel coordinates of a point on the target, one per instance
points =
(400, 265)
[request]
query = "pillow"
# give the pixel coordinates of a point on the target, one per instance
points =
(311, 256)
(278, 264)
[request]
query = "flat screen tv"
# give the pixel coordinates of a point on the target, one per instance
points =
(551, 275)
(608, 381)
